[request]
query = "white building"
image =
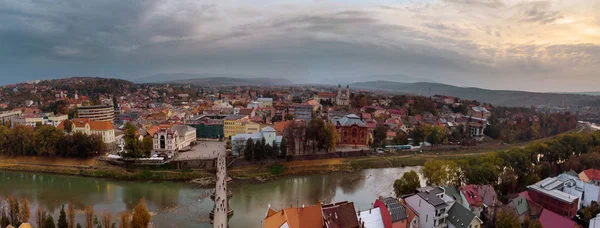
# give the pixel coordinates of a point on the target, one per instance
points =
(169, 141)
(97, 112)
(34, 120)
(430, 204)
(9, 115)
(89, 127)
(239, 141)
(265, 101)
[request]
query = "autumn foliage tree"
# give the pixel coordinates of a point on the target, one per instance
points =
(141, 216)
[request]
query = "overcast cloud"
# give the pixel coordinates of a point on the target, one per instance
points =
(497, 44)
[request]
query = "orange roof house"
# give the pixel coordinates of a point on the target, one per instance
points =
(590, 175)
(305, 217)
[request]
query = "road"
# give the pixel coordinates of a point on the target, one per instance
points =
(220, 216)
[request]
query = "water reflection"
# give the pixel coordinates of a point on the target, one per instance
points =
(186, 205)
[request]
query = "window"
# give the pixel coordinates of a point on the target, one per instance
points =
(426, 218)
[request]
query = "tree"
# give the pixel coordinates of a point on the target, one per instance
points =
(62, 218)
(528, 223)
(440, 172)
(275, 149)
(288, 117)
(71, 215)
(24, 210)
(283, 148)
(507, 219)
(379, 135)
(125, 220)
(401, 138)
(13, 210)
(249, 151)
(4, 220)
(132, 144)
(89, 217)
(259, 150)
(49, 222)
(45, 140)
(79, 225)
(147, 146)
(141, 216)
(40, 217)
(407, 184)
(106, 219)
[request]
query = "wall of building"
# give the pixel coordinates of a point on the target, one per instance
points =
(425, 210)
(554, 205)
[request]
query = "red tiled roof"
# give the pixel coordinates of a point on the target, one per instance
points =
(592, 174)
(326, 95)
(309, 217)
(340, 214)
(472, 195)
(549, 219)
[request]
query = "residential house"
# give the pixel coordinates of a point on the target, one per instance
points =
(430, 206)
(265, 101)
(400, 215)
(301, 111)
(480, 112)
(590, 176)
(372, 218)
(340, 215)
(461, 217)
(471, 199)
(549, 219)
(520, 206)
(303, 217)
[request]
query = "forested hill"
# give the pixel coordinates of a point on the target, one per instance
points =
(90, 86)
(497, 97)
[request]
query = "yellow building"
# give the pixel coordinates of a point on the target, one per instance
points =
(239, 124)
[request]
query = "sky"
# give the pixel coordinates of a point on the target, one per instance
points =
(545, 45)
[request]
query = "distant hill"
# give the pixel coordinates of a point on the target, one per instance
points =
(378, 77)
(498, 97)
(181, 77)
(227, 81)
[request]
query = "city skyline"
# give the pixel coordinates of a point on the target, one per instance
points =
(545, 46)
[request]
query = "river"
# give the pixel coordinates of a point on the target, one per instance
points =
(188, 205)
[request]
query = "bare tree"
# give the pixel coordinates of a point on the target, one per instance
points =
(125, 220)
(71, 215)
(24, 211)
(89, 217)
(106, 219)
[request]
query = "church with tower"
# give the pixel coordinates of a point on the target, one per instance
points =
(343, 98)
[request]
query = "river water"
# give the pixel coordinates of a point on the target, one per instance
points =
(187, 205)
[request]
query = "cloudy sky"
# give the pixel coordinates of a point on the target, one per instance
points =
(497, 44)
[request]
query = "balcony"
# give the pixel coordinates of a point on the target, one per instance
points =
(440, 216)
(441, 225)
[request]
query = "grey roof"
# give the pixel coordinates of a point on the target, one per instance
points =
(572, 173)
(234, 117)
(432, 199)
(182, 129)
(349, 120)
(397, 210)
(453, 192)
(550, 187)
(520, 203)
(431, 189)
(460, 216)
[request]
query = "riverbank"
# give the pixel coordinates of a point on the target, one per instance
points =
(309, 167)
